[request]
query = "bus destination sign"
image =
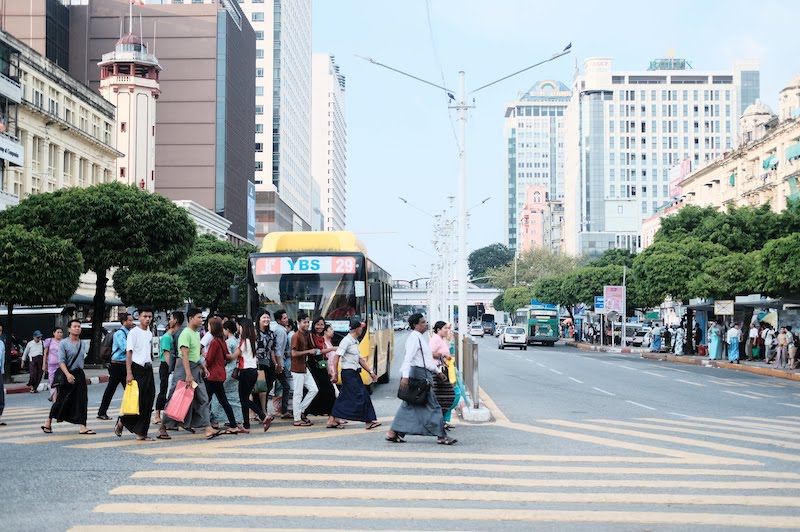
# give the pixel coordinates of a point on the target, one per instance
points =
(305, 265)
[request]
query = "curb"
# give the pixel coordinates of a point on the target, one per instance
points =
(767, 372)
(24, 388)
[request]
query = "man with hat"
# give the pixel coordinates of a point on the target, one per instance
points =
(34, 354)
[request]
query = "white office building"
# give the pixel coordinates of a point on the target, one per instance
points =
(534, 132)
(626, 130)
(329, 140)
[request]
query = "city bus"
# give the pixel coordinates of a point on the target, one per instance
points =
(542, 322)
(326, 274)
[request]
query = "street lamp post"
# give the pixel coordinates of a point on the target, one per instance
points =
(462, 107)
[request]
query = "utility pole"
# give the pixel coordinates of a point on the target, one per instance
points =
(461, 107)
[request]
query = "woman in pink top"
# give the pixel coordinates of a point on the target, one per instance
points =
(51, 357)
(440, 347)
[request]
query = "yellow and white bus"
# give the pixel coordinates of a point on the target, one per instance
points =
(326, 274)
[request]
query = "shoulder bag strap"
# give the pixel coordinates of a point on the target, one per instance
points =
(75, 358)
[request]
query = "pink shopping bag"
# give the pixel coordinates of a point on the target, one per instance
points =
(180, 402)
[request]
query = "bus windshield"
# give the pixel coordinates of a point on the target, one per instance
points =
(314, 285)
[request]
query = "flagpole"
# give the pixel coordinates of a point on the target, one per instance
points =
(130, 18)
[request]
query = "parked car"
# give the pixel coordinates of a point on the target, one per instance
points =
(499, 330)
(641, 338)
(400, 325)
(476, 329)
(513, 337)
(14, 350)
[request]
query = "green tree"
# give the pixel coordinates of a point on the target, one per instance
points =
(581, 285)
(531, 266)
(486, 258)
(211, 270)
(684, 223)
(548, 290)
(725, 277)
(113, 226)
(778, 266)
(517, 297)
(160, 290)
(498, 304)
(35, 270)
(614, 257)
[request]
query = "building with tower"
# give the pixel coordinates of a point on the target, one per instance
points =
(764, 168)
(129, 80)
(534, 132)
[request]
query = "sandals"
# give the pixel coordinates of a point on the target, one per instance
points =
(87, 433)
(267, 423)
(395, 439)
(215, 434)
(303, 423)
(447, 441)
(118, 428)
(164, 437)
(373, 425)
(335, 426)
(47, 430)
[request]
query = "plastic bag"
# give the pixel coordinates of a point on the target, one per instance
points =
(180, 402)
(130, 400)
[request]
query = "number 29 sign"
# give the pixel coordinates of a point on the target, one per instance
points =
(305, 265)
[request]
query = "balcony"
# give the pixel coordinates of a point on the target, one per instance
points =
(10, 88)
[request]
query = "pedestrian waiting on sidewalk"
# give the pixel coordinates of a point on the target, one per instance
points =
(734, 337)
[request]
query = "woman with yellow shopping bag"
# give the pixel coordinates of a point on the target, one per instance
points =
(140, 389)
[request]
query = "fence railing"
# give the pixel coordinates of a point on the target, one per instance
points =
(467, 363)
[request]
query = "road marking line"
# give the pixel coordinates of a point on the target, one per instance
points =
(689, 382)
(491, 405)
(723, 382)
(184, 528)
(741, 394)
(556, 371)
(780, 423)
(680, 415)
(654, 374)
(682, 430)
(541, 365)
(607, 362)
(383, 494)
(627, 367)
(689, 457)
(463, 514)
(603, 391)
(640, 404)
(748, 424)
(708, 425)
(680, 370)
(739, 451)
(789, 404)
(644, 482)
(576, 380)
(762, 395)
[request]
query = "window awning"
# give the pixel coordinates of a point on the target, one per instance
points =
(732, 179)
(770, 163)
(793, 152)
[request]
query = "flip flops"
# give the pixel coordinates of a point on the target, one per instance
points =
(47, 430)
(164, 437)
(395, 439)
(87, 432)
(336, 426)
(303, 423)
(373, 425)
(447, 441)
(215, 434)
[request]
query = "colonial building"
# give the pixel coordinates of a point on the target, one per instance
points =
(766, 165)
(540, 220)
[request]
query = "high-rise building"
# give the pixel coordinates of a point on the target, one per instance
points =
(204, 140)
(43, 25)
(329, 140)
(129, 80)
(284, 186)
(626, 130)
(534, 132)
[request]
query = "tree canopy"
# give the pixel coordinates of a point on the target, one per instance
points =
(531, 266)
(488, 257)
(160, 290)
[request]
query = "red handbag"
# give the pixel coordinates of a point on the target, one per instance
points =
(180, 402)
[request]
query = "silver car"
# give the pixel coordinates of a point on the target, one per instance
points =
(513, 337)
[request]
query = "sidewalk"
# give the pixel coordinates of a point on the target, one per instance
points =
(94, 375)
(756, 367)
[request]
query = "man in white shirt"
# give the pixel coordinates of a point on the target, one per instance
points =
(139, 365)
(34, 354)
(768, 334)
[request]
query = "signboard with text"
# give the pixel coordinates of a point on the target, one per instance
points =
(599, 304)
(305, 265)
(614, 299)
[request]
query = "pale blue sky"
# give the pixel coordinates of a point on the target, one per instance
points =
(400, 140)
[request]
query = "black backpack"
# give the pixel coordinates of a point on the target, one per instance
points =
(106, 347)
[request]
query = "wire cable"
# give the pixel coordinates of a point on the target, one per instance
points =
(438, 61)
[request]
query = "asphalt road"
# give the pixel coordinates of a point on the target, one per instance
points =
(581, 441)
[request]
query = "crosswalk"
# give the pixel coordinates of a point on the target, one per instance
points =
(643, 472)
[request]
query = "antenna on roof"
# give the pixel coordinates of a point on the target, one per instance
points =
(130, 18)
(155, 23)
(120, 27)
(141, 31)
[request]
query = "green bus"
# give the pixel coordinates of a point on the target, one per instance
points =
(542, 322)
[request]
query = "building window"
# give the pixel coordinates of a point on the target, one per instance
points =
(123, 127)
(259, 35)
(107, 133)
(258, 16)
(122, 171)
(83, 123)
(259, 109)
(259, 53)
(259, 91)
(259, 147)
(259, 128)
(259, 166)
(259, 72)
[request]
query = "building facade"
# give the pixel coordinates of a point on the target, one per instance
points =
(329, 140)
(129, 80)
(627, 129)
(535, 135)
(204, 143)
(765, 168)
(43, 25)
(65, 130)
(540, 221)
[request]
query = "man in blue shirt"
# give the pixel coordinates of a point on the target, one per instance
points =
(117, 371)
(2, 384)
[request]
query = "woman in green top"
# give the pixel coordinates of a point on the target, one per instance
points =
(165, 346)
